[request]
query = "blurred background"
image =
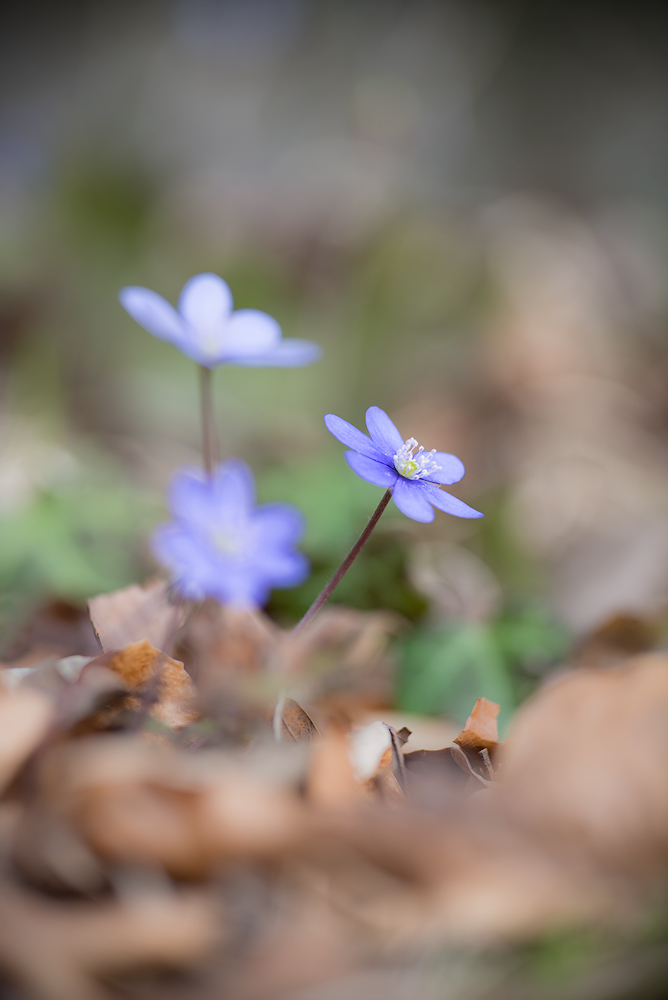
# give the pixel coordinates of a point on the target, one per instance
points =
(463, 202)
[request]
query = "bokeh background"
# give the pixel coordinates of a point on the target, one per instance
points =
(463, 202)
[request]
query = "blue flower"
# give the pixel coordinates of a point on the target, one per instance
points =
(207, 330)
(413, 474)
(221, 545)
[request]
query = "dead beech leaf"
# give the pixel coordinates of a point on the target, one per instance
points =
(135, 613)
(296, 724)
(480, 731)
(137, 664)
(586, 763)
(25, 717)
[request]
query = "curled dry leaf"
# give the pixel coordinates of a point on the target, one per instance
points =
(136, 613)
(480, 731)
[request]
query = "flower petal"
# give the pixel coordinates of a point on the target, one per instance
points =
(278, 524)
(290, 353)
(178, 549)
(205, 304)
(411, 500)
(152, 312)
(284, 569)
(250, 332)
(234, 489)
(451, 471)
(189, 496)
(374, 472)
(352, 437)
(446, 502)
(382, 431)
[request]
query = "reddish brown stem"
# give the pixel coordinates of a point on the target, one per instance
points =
(209, 436)
(330, 587)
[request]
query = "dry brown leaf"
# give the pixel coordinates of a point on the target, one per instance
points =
(57, 951)
(137, 664)
(586, 764)
(25, 717)
(480, 731)
(331, 782)
(136, 613)
(138, 804)
(296, 724)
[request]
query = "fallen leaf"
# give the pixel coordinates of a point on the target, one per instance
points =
(136, 613)
(58, 952)
(175, 695)
(480, 731)
(330, 781)
(25, 717)
(586, 763)
(296, 724)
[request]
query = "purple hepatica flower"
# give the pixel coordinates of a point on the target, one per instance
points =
(207, 330)
(412, 473)
(221, 545)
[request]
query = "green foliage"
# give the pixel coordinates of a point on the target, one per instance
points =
(442, 671)
(73, 542)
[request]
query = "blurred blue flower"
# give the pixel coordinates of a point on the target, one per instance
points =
(412, 473)
(207, 330)
(221, 545)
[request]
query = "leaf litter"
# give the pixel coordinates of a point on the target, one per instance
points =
(157, 841)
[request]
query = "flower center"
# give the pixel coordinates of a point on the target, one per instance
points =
(413, 462)
(228, 543)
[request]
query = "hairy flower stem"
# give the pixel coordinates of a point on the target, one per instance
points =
(209, 436)
(330, 587)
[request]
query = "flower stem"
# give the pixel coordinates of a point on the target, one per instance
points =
(330, 587)
(209, 436)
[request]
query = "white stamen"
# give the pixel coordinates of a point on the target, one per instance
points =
(413, 462)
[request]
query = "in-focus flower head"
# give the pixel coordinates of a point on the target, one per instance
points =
(221, 545)
(413, 474)
(205, 328)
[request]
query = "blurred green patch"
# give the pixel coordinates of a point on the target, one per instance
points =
(441, 671)
(105, 206)
(72, 542)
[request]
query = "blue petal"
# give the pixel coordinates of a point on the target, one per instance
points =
(411, 500)
(180, 552)
(383, 431)
(205, 304)
(190, 496)
(278, 524)
(152, 312)
(250, 332)
(451, 471)
(284, 569)
(374, 472)
(234, 488)
(446, 502)
(352, 437)
(288, 354)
